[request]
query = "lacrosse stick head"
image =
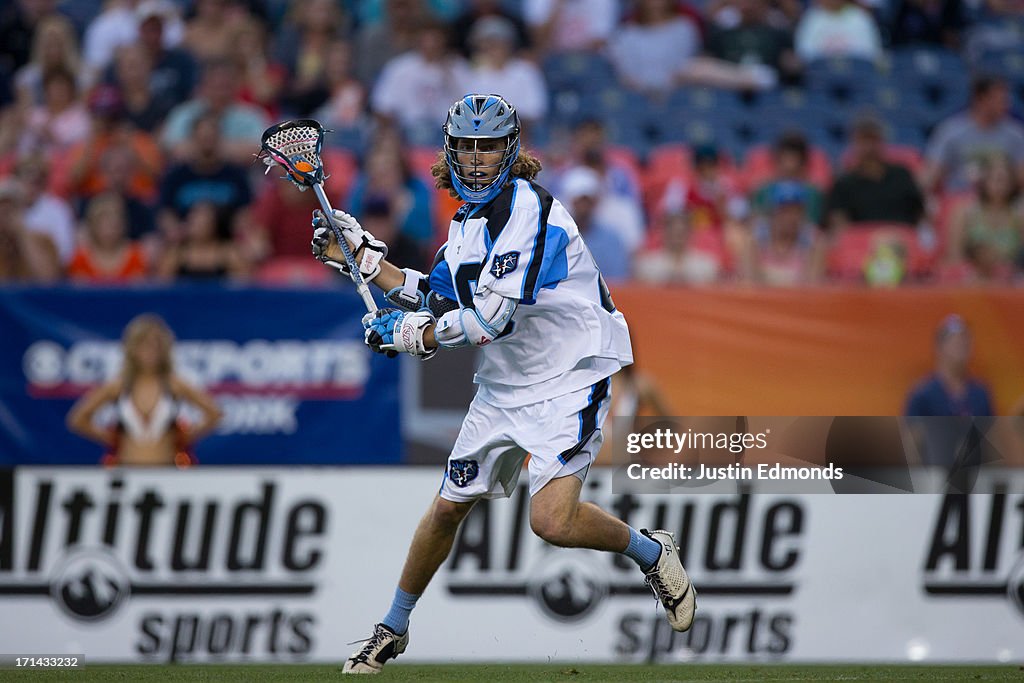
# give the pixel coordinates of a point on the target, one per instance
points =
(295, 147)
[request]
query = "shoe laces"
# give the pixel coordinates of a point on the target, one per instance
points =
(372, 643)
(658, 587)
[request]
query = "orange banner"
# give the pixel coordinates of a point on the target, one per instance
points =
(816, 351)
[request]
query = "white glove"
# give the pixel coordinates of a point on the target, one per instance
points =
(373, 250)
(393, 331)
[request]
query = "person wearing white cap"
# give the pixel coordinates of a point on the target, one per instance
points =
(581, 191)
(118, 24)
(495, 68)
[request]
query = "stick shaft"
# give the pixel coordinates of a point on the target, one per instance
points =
(350, 259)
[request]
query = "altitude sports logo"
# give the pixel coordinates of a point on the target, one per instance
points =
(754, 544)
(976, 548)
(225, 567)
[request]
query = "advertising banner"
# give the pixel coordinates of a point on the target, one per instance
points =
(288, 367)
(272, 564)
(821, 351)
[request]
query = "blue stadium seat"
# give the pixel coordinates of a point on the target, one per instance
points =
(577, 72)
(1006, 63)
(841, 78)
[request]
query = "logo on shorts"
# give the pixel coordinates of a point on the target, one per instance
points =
(504, 264)
(461, 472)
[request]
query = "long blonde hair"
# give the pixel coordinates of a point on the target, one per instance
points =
(61, 28)
(525, 166)
(135, 332)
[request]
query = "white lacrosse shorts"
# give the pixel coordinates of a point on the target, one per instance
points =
(562, 436)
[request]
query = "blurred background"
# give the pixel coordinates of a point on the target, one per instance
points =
(802, 208)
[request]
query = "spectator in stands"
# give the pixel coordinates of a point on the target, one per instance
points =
(105, 254)
(712, 200)
(379, 219)
(118, 166)
(206, 176)
(495, 68)
(652, 49)
(928, 22)
(837, 28)
(174, 70)
(476, 10)
(785, 249)
(344, 108)
(755, 40)
(581, 191)
(241, 125)
(950, 390)
(386, 175)
(122, 22)
(279, 224)
(144, 107)
(25, 256)
(680, 260)
(873, 190)
(210, 29)
(960, 142)
(304, 52)
(19, 21)
(147, 395)
(791, 155)
(54, 47)
(262, 78)
(658, 50)
(988, 232)
(60, 122)
(206, 250)
(783, 14)
(590, 149)
(380, 42)
(45, 213)
(416, 88)
(111, 130)
(567, 25)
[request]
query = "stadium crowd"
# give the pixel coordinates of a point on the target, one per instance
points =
(764, 141)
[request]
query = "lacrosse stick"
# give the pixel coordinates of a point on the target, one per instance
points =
(295, 147)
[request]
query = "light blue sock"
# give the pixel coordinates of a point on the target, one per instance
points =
(397, 619)
(642, 550)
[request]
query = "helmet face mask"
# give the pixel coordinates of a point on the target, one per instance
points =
(481, 143)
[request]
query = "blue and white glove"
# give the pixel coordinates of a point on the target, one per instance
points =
(392, 331)
(374, 250)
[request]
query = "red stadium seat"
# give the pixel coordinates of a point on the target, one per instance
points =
(625, 156)
(674, 162)
(760, 168)
(342, 168)
(852, 249)
(420, 159)
(293, 271)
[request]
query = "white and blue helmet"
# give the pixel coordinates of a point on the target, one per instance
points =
(481, 117)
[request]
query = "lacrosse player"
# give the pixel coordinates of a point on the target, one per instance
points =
(516, 279)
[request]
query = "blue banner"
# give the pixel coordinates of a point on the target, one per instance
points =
(289, 368)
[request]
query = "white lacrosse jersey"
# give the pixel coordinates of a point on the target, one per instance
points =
(566, 333)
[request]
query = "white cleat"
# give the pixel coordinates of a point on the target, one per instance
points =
(670, 584)
(383, 645)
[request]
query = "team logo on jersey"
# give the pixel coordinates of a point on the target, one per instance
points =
(461, 472)
(504, 264)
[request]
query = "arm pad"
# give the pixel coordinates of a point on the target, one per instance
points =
(477, 326)
(412, 295)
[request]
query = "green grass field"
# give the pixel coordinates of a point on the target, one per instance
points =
(513, 673)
